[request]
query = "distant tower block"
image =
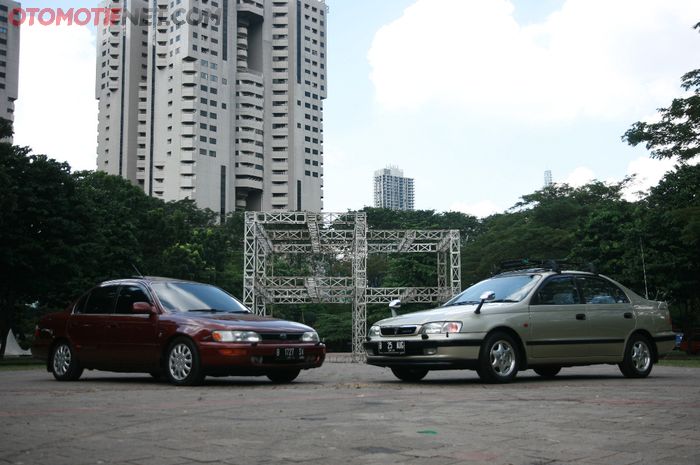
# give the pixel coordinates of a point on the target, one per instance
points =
(548, 178)
(392, 190)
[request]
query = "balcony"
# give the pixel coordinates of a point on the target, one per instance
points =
(187, 169)
(189, 79)
(251, 9)
(248, 183)
(187, 143)
(189, 92)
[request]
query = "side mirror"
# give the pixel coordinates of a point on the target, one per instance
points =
(142, 308)
(393, 305)
(485, 297)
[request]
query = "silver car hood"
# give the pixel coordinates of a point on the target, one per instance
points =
(453, 313)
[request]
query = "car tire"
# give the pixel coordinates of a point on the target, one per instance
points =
(63, 363)
(548, 371)
(639, 357)
(498, 359)
(283, 376)
(182, 364)
(409, 374)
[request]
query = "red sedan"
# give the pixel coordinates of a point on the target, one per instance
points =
(180, 330)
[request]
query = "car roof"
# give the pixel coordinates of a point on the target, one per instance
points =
(145, 279)
(542, 271)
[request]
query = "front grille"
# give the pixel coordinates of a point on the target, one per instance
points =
(398, 330)
(281, 337)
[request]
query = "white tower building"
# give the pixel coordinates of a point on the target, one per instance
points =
(217, 101)
(392, 190)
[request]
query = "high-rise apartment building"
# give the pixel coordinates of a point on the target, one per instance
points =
(548, 178)
(392, 190)
(9, 60)
(218, 101)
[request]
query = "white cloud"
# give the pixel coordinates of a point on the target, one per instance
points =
(580, 176)
(648, 172)
(56, 112)
(479, 209)
(594, 58)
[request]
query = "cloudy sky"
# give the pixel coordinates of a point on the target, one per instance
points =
(475, 99)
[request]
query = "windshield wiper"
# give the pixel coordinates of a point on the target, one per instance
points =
(207, 310)
(503, 300)
(464, 302)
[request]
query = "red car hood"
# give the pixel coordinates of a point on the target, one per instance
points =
(243, 321)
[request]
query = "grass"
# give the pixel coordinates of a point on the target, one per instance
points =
(20, 363)
(680, 359)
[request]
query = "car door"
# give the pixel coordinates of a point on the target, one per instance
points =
(558, 326)
(609, 313)
(131, 339)
(86, 326)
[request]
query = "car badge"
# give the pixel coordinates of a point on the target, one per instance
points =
(283, 336)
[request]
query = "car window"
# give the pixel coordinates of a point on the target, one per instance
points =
(558, 291)
(80, 304)
(600, 291)
(188, 297)
(512, 288)
(101, 300)
(128, 295)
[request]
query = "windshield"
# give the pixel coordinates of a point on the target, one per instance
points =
(194, 297)
(507, 289)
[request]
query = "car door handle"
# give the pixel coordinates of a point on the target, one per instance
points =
(580, 316)
(112, 326)
(628, 315)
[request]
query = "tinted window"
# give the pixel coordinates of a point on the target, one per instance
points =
(558, 291)
(600, 291)
(128, 295)
(101, 300)
(184, 297)
(80, 304)
(507, 289)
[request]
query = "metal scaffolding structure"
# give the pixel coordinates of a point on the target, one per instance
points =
(342, 236)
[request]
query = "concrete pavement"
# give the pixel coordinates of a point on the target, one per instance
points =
(353, 413)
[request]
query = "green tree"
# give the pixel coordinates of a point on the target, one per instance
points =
(677, 134)
(38, 231)
(671, 230)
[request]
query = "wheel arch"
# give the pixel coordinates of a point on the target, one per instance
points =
(522, 354)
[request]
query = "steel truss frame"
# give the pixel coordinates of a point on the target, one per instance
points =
(341, 236)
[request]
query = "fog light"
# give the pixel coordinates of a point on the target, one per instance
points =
(431, 351)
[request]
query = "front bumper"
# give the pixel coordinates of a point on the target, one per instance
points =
(244, 358)
(434, 354)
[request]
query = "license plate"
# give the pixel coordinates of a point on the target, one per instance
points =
(392, 347)
(289, 353)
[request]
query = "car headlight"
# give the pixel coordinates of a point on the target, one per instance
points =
(235, 336)
(442, 327)
(310, 336)
(373, 331)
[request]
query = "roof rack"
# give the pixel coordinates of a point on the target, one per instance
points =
(550, 264)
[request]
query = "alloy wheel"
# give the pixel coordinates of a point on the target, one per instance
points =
(180, 362)
(502, 358)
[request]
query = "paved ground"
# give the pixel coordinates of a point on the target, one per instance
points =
(351, 413)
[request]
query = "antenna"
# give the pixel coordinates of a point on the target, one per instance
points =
(644, 269)
(138, 273)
